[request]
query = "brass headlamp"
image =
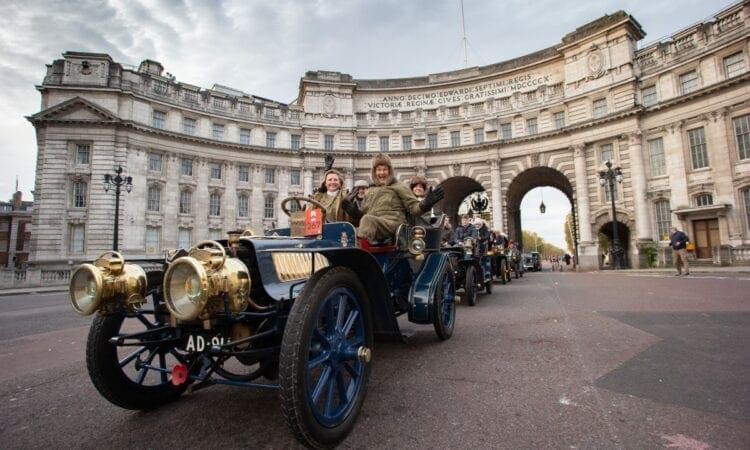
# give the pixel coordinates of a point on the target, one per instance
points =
(416, 242)
(468, 245)
(195, 285)
(96, 286)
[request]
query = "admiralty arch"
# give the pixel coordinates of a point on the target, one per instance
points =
(674, 115)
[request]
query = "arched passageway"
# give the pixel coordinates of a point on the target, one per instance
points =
(456, 190)
(528, 180)
(623, 236)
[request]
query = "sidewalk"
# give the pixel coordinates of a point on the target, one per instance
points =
(693, 270)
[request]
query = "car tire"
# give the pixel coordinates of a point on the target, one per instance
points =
(119, 378)
(470, 286)
(327, 325)
(444, 304)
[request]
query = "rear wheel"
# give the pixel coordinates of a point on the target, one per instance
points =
(135, 372)
(325, 351)
(444, 314)
(470, 286)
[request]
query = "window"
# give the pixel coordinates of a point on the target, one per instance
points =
(688, 82)
(245, 136)
(295, 177)
(746, 199)
(455, 138)
(186, 202)
(79, 194)
(406, 116)
(215, 234)
(190, 97)
(559, 119)
(271, 113)
(432, 140)
(607, 192)
(243, 174)
(160, 87)
(158, 119)
(704, 200)
(453, 111)
(607, 153)
(382, 117)
(270, 175)
(242, 205)
(600, 108)
(83, 154)
(77, 237)
(656, 157)
(431, 114)
(215, 171)
(188, 125)
(734, 65)
(186, 167)
(384, 143)
(184, 238)
(531, 126)
(361, 117)
(218, 103)
(406, 142)
(154, 199)
(293, 115)
(270, 139)
(506, 131)
(152, 239)
(698, 150)
(328, 142)
(742, 131)
(478, 135)
(663, 219)
(504, 104)
(361, 143)
(477, 108)
(648, 95)
(214, 204)
(245, 108)
(268, 207)
(154, 162)
(218, 132)
(296, 138)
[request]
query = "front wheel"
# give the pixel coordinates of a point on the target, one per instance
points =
(444, 304)
(325, 351)
(470, 286)
(134, 373)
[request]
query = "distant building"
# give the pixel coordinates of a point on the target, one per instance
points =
(675, 115)
(15, 232)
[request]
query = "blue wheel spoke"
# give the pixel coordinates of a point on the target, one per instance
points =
(313, 363)
(341, 383)
(322, 382)
(320, 336)
(341, 312)
(163, 365)
(328, 407)
(350, 321)
(144, 370)
(353, 372)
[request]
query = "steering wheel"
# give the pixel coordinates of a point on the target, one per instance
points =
(300, 200)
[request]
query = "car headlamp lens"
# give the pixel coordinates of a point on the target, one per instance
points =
(186, 288)
(86, 289)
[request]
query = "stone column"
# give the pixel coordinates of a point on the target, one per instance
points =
(308, 181)
(283, 219)
(497, 196)
(587, 247)
(638, 178)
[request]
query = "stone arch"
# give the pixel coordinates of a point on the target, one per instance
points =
(456, 189)
(625, 223)
(526, 181)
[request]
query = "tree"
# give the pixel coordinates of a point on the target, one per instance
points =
(569, 233)
(534, 242)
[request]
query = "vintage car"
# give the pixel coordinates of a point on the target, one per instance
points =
(473, 270)
(499, 263)
(296, 311)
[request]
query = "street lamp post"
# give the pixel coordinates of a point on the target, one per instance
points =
(608, 178)
(118, 181)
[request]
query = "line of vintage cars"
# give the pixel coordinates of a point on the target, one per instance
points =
(289, 311)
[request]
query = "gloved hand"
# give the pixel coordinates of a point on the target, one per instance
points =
(351, 208)
(433, 196)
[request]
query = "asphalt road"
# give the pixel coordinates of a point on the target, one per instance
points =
(549, 361)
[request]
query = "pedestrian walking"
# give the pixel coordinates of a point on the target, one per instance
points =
(678, 240)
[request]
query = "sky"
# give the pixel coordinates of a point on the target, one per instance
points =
(264, 47)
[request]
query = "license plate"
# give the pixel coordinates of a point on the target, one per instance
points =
(199, 342)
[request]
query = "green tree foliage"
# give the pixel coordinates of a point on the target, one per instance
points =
(569, 233)
(533, 242)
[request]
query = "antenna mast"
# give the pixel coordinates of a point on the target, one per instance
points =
(463, 27)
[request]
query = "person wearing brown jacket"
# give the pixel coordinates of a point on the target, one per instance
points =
(387, 203)
(330, 194)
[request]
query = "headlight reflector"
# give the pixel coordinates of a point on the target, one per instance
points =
(86, 289)
(186, 288)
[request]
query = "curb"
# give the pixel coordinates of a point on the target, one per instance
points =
(32, 290)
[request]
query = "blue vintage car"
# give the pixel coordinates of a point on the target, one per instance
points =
(294, 313)
(473, 269)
